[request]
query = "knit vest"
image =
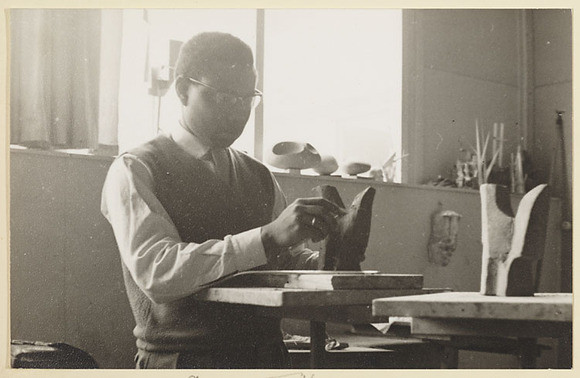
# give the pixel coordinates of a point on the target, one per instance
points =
(202, 208)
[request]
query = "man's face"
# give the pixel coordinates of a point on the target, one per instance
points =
(218, 124)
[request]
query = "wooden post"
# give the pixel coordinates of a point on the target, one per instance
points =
(317, 344)
(528, 352)
(450, 357)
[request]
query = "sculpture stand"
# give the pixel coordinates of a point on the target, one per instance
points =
(294, 171)
(513, 247)
(345, 247)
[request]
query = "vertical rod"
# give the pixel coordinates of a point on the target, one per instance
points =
(565, 350)
(566, 228)
(259, 111)
(450, 357)
(526, 78)
(527, 353)
(317, 344)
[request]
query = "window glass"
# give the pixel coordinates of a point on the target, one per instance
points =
(146, 44)
(333, 78)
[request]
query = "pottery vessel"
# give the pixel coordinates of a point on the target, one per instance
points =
(293, 155)
(327, 165)
(354, 168)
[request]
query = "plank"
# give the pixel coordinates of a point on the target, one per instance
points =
(429, 327)
(342, 313)
(319, 279)
(299, 298)
(469, 305)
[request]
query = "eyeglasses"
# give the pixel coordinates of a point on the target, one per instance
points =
(224, 98)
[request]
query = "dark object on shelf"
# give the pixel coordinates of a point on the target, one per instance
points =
(41, 355)
(345, 247)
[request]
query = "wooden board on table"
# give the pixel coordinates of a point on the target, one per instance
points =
(288, 298)
(322, 280)
(469, 305)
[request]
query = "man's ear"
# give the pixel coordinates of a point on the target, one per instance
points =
(181, 87)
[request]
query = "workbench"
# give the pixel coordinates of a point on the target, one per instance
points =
(318, 306)
(462, 320)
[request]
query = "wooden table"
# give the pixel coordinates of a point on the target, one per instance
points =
(318, 306)
(465, 316)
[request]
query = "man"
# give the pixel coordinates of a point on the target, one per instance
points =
(187, 209)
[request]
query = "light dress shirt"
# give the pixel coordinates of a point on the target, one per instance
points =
(163, 266)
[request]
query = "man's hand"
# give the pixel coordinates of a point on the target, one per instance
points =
(305, 218)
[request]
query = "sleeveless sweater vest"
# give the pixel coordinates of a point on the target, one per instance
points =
(202, 208)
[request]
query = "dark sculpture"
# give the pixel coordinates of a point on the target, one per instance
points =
(346, 246)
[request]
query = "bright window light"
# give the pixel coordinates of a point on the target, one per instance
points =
(146, 44)
(333, 78)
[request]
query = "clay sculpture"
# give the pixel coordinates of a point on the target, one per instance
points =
(293, 156)
(354, 168)
(327, 165)
(345, 247)
(443, 238)
(513, 247)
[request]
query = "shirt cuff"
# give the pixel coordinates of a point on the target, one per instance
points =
(248, 249)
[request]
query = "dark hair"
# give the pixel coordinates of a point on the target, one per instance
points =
(206, 53)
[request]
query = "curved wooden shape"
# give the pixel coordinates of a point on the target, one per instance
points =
(345, 247)
(513, 247)
(327, 165)
(354, 168)
(293, 155)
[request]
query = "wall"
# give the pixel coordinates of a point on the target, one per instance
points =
(66, 282)
(461, 65)
(512, 66)
(552, 51)
(552, 90)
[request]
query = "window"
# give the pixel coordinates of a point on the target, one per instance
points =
(331, 77)
(146, 44)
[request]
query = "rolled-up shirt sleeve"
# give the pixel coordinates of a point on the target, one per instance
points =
(163, 266)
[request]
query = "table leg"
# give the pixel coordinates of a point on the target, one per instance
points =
(565, 351)
(449, 358)
(527, 353)
(317, 344)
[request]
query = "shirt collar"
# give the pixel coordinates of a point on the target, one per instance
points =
(188, 142)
